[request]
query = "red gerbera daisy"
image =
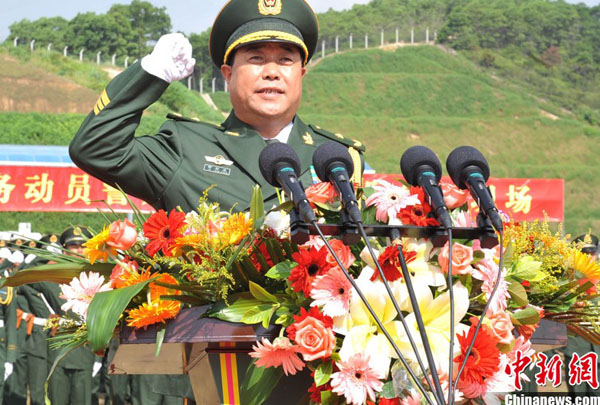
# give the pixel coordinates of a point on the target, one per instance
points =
(417, 214)
(484, 359)
(162, 230)
(389, 261)
(311, 263)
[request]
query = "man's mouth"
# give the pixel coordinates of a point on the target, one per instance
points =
(270, 90)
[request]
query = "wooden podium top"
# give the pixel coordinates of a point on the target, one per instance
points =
(190, 327)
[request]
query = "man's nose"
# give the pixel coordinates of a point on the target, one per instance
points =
(271, 71)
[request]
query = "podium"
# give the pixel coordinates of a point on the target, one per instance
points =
(212, 352)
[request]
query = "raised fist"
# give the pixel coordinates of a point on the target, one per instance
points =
(171, 59)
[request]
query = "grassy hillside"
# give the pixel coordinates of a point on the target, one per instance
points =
(391, 100)
(44, 97)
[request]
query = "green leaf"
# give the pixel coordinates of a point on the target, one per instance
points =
(257, 207)
(239, 305)
(259, 314)
(258, 384)
(160, 337)
(388, 390)
(507, 256)
(104, 313)
(261, 294)
(323, 373)
(517, 293)
(281, 271)
(61, 273)
(527, 269)
(527, 316)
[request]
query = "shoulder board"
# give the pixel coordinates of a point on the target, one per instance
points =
(179, 117)
(338, 138)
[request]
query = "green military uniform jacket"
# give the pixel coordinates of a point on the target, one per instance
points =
(174, 167)
(8, 333)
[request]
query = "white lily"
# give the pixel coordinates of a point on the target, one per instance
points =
(436, 319)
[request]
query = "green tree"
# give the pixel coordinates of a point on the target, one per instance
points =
(44, 30)
(146, 21)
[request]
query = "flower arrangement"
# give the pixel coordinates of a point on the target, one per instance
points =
(245, 267)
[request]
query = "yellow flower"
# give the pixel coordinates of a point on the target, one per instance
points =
(586, 265)
(96, 248)
(235, 228)
(187, 243)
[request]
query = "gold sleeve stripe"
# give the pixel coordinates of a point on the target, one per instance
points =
(357, 175)
(264, 35)
(101, 103)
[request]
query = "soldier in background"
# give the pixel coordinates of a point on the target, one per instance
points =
(8, 328)
(35, 304)
(71, 381)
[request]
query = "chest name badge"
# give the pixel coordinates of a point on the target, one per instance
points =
(224, 171)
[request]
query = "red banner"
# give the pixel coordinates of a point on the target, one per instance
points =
(50, 188)
(520, 199)
(69, 189)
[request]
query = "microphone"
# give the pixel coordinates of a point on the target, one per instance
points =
(421, 167)
(469, 170)
(332, 162)
(280, 165)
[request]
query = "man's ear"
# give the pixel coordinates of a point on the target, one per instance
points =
(226, 72)
(303, 71)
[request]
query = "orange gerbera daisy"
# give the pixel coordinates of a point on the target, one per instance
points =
(97, 248)
(157, 310)
(235, 228)
(162, 230)
(149, 314)
(186, 243)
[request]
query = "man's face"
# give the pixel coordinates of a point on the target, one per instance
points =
(265, 82)
(75, 248)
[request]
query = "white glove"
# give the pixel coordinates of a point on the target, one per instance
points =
(171, 59)
(8, 369)
(96, 368)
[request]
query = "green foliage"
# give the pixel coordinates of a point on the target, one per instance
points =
(124, 30)
(222, 101)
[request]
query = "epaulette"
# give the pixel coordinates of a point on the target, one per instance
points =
(179, 117)
(338, 137)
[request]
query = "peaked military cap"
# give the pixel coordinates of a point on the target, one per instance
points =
(589, 243)
(75, 235)
(243, 22)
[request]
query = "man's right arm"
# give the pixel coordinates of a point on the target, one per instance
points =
(105, 146)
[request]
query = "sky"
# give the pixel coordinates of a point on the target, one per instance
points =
(186, 16)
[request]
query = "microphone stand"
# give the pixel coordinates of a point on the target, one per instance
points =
(376, 318)
(436, 386)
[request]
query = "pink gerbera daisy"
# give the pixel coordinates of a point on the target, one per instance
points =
(332, 292)
(390, 199)
(279, 353)
(487, 271)
(356, 379)
(80, 292)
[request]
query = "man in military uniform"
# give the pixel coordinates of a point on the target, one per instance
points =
(262, 48)
(8, 328)
(262, 51)
(35, 304)
(71, 381)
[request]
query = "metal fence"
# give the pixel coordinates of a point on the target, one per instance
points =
(326, 46)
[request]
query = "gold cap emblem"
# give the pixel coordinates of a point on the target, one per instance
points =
(269, 7)
(32, 244)
(53, 239)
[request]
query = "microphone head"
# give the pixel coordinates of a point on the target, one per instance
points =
(415, 157)
(328, 153)
(463, 157)
(274, 154)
